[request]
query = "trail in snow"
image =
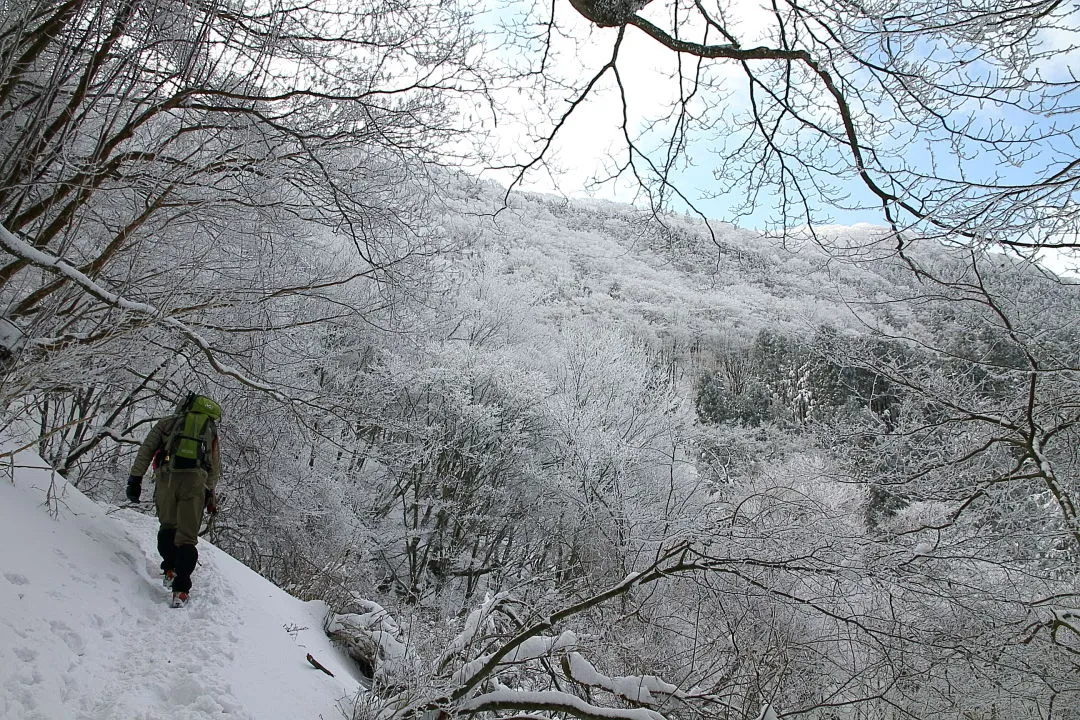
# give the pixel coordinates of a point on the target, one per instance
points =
(86, 631)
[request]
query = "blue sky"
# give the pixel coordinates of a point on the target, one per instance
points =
(583, 149)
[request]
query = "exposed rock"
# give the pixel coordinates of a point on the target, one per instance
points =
(370, 637)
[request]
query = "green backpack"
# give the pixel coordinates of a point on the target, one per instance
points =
(186, 446)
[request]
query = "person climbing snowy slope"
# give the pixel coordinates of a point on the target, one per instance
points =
(86, 632)
(183, 449)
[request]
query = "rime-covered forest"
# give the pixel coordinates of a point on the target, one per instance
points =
(598, 460)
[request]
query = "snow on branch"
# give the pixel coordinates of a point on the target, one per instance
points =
(46, 261)
(552, 701)
(641, 689)
(474, 672)
(480, 686)
(532, 648)
(478, 619)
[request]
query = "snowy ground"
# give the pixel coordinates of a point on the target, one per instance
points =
(86, 632)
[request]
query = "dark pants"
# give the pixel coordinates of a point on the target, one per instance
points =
(180, 497)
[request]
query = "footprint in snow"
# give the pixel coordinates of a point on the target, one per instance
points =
(71, 638)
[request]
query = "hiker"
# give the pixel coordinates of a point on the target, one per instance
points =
(183, 449)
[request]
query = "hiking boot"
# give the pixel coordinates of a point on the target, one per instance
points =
(179, 599)
(167, 578)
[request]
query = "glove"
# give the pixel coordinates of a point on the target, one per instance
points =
(134, 488)
(211, 502)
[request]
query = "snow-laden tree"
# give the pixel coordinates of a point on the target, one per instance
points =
(777, 598)
(453, 470)
(502, 447)
(616, 458)
(175, 179)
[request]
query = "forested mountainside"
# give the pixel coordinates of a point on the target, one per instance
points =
(595, 462)
(680, 276)
(743, 474)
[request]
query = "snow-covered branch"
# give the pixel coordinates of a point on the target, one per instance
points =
(552, 701)
(51, 263)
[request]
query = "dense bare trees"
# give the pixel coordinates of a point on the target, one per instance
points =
(199, 177)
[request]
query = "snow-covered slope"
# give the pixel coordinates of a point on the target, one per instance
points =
(617, 265)
(85, 631)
